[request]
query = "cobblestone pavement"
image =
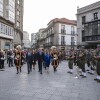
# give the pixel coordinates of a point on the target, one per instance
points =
(53, 86)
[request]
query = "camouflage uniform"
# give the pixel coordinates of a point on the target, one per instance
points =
(70, 61)
(97, 57)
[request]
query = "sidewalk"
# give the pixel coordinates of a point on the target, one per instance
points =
(53, 86)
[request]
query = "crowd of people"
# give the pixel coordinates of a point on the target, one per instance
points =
(79, 59)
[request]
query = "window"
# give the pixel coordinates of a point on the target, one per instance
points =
(18, 1)
(95, 15)
(98, 27)
(83, 33)
(1, 27)
(95, 28)
(86, 29)
(6, 30)
(62, 26)
(83, 19)
(18, 23)
(72, 30)
(90, 28)
(63, 29)
(1, 9)
(62, 39)
(72, 41)
(18, 12)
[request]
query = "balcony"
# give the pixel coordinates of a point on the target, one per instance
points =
(72, 43)
(63, 43)
(63, 31)
(72, 32)
(48, 44)
(50, 34)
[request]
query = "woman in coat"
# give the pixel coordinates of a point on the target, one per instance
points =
(34, 59)
(47, 60)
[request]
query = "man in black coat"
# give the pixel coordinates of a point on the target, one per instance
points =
(29, 60)
(40, 59)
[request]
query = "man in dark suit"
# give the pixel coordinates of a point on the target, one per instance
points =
(40, 59)
(29, 60)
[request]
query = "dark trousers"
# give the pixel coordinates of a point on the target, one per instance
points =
(10, 62)
(29, 67)
(7, 60)
(98, 68)
(1, 64)
(40, 66)
(88, 63)
(83, 67)
(70, 64)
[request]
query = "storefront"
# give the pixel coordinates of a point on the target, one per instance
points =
(5, 44)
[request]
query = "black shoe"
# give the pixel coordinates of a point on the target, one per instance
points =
(95, 79)
(69, 72)
(90, 73)
(40, 72)
(83, 76)
(98, 81)
(17, 73)
(87, 70)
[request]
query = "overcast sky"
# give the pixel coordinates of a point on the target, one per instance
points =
(37, 13)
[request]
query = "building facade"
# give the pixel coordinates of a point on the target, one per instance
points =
(60, 33)
(26, 41)
(11, 32)
(18, 34)
(33, 40)
(7, 21)
(88, 25)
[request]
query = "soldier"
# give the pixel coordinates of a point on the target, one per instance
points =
(89, 61)
(18, 59)
(55, 60)
(82, 56)
(70, 61)
(93, 62)
(97, 57)
(78, 61)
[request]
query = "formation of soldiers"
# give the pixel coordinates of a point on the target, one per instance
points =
(77, 59)
(81, 58)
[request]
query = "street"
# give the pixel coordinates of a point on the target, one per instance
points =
(48, 86)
